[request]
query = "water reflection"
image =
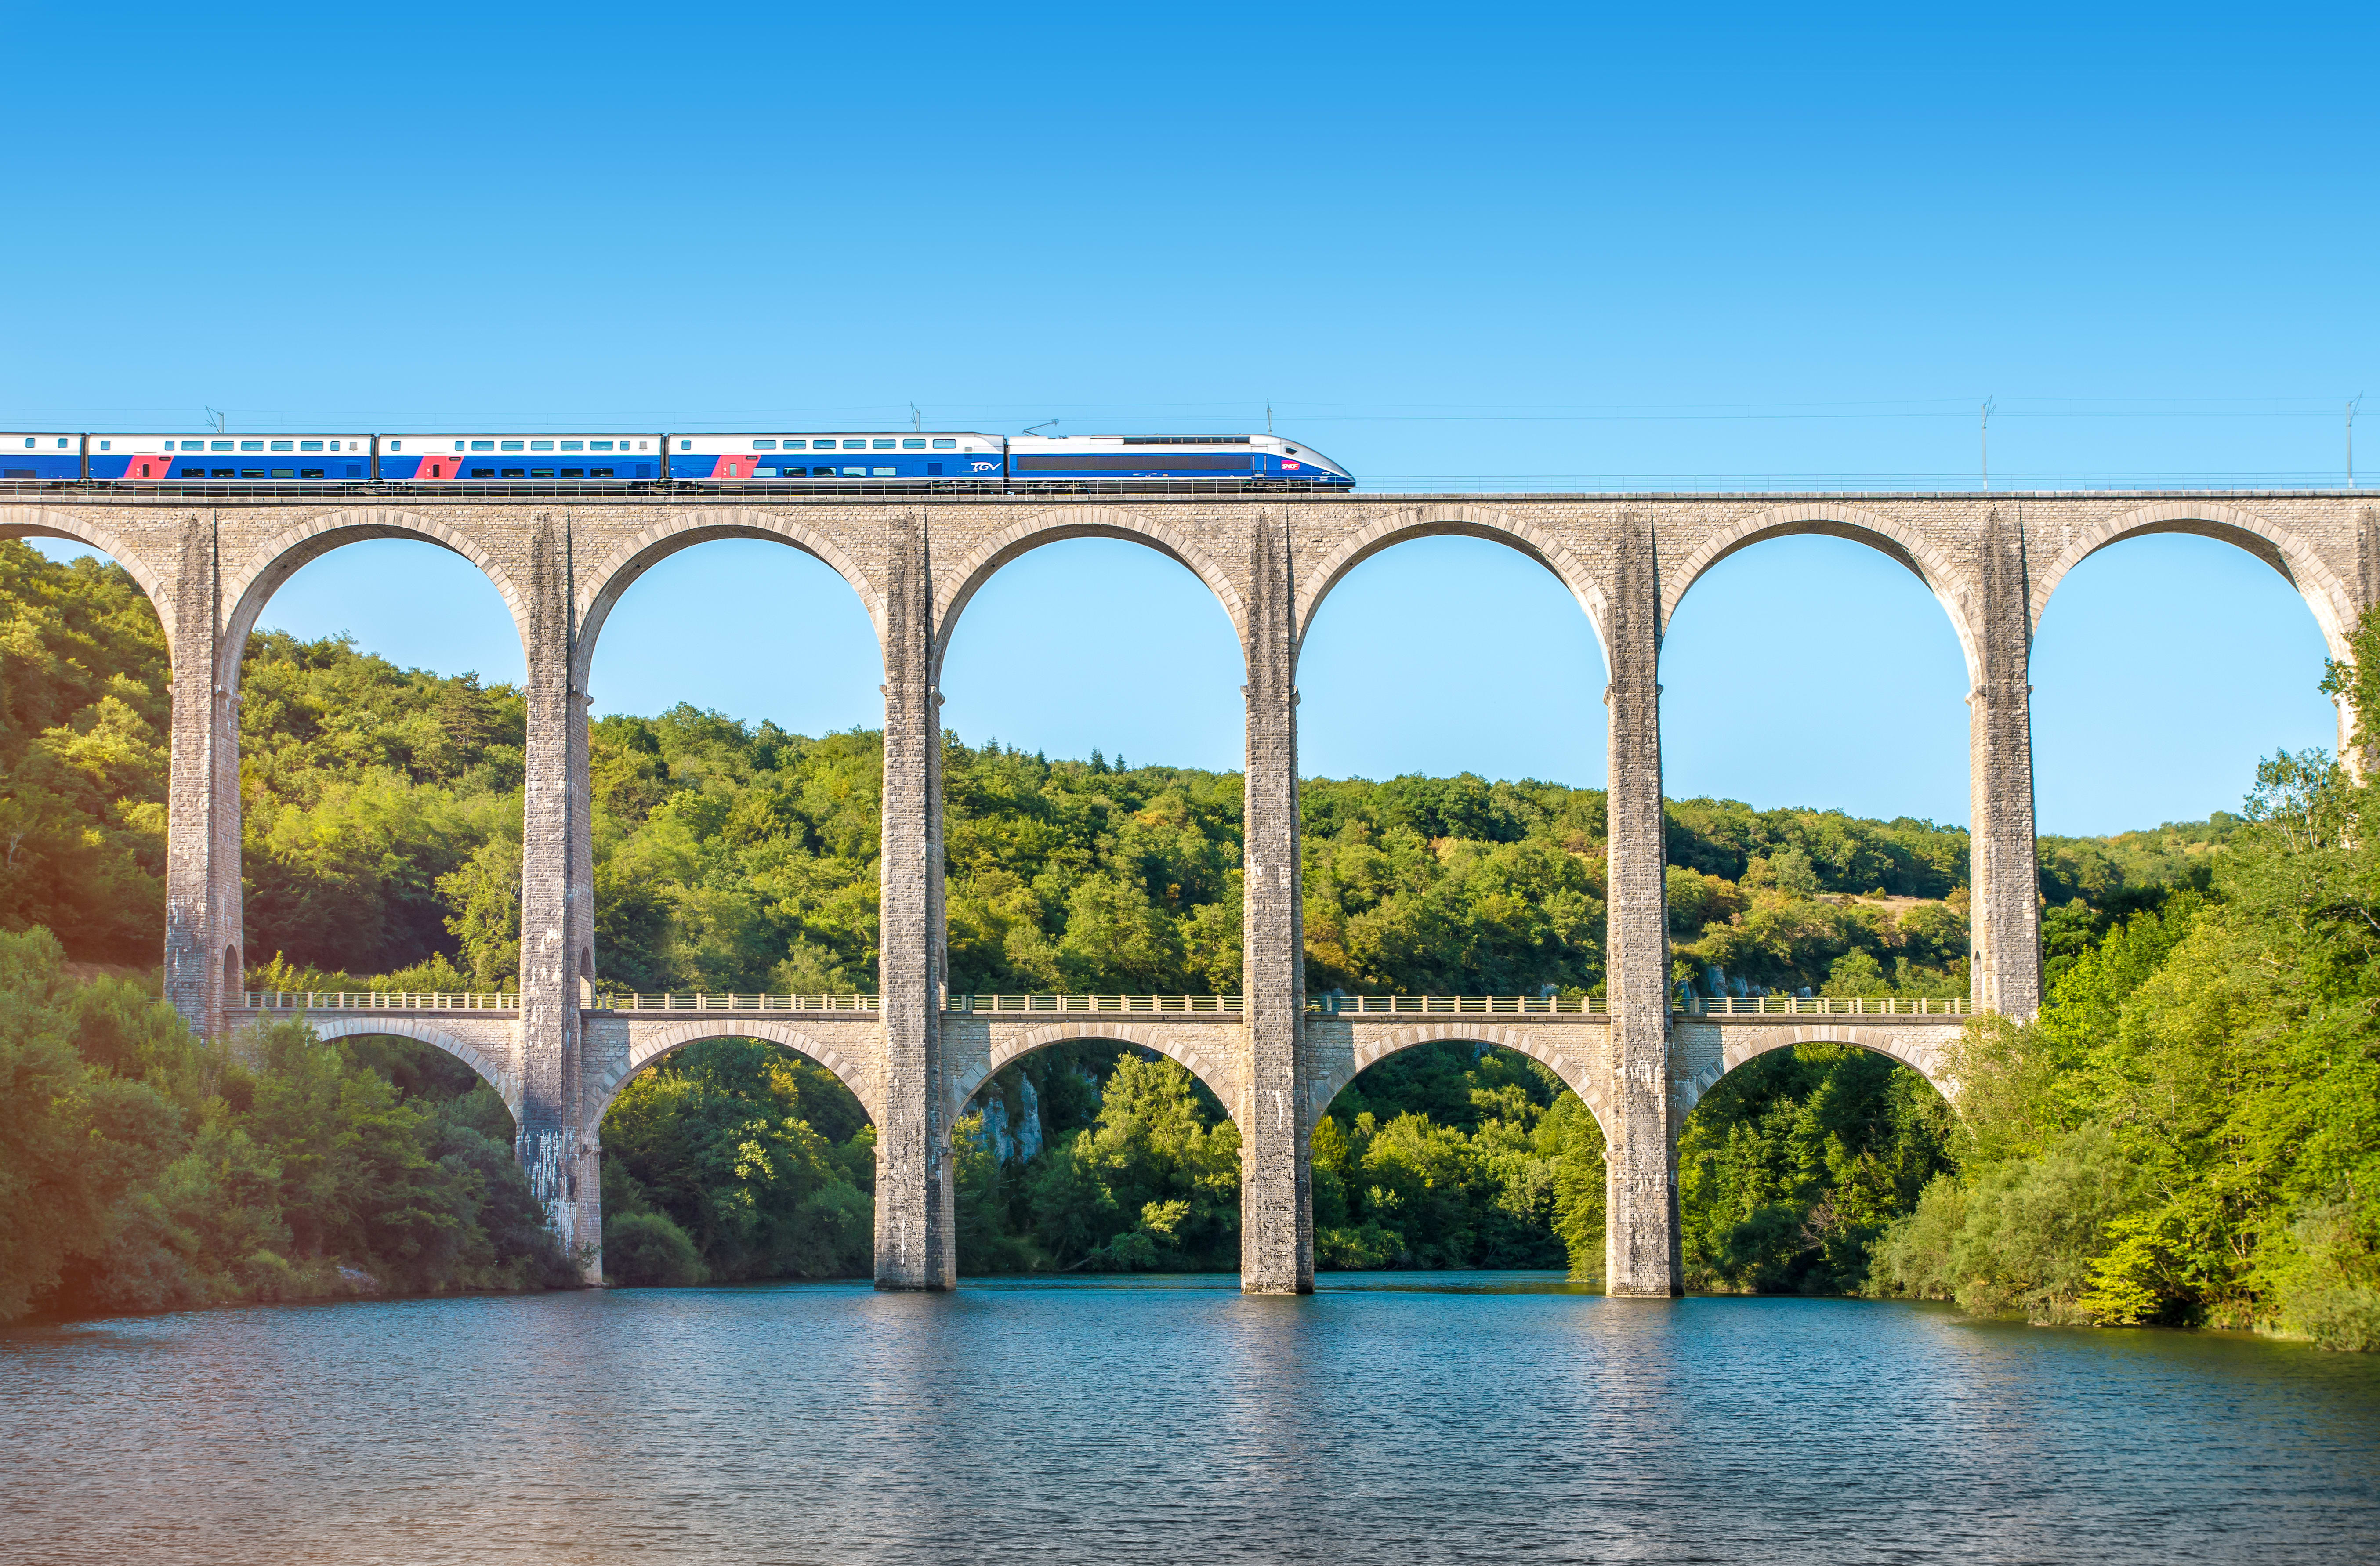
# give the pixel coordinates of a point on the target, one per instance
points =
(1386, 1418)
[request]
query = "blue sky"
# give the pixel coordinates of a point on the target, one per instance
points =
(1478, 248)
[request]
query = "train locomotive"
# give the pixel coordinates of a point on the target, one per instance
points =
(837, 460)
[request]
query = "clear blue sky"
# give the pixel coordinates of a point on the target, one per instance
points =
(1468, 248)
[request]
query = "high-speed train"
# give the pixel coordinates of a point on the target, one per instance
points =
(903, 459)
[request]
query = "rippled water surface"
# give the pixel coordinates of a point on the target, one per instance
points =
(1388, 1418)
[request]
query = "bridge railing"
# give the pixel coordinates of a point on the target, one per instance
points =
(1216, 1004)
(1211, 1005)
(1459, 1005)
(1823, 1006)
(374, 1001)
(683, 1002)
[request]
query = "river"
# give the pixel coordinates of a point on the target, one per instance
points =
(1391, 1417)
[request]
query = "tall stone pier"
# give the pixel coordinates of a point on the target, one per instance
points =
(211, 561)
(1641, 1239)
(1275, 1174)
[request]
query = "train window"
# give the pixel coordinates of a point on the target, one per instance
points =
(797, 446)
(315, 445)
(823, 472)
(109, 446)
(194, 472)
(252, 445)
(913, 446)
(220, 473)
(221, 445)
(284, 445)
(478, 445)
(598, 445)
(509, 446)
(855, 472)
(885, 445)
(541, 472)
(946, 446)
(573, 472)
(598, 473)
(764, 472)
(885, 472)
(764, 445)
(515, 473)
(284, 473)
(483, 472)
(309, 473)
(574, 446)
(855, 446)
(17, 473)
(251, 472)
(396, 446)
(536, 445)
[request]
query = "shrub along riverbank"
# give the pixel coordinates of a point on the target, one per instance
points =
(141, 1169)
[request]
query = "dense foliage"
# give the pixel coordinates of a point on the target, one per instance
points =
(1793, 1164)
(2190, 1133)
(733, 1160)
(141, 1168)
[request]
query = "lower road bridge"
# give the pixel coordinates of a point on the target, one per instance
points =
(561, 562)
(1206, 1033)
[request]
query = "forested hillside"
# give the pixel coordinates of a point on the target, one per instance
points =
(383, 818)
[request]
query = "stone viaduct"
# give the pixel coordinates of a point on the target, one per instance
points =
(560, 563)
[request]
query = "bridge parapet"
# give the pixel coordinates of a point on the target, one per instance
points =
(271, 1000)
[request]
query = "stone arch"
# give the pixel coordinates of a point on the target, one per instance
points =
(40, 522)
(644, 1048)
(251, 584)
(491, 1071)
(2325, 593)
(1897, 540)
(611, 580)
(1470, 521)
(960, 585)
(1568, 1059)
(1173, 1040)
(1926, 1054)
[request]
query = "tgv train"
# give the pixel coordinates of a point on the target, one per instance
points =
(904, 458)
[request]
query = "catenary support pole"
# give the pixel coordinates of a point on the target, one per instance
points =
(1641, 1241)
(1276, 1178)
(916, 1243)
(2003, 870)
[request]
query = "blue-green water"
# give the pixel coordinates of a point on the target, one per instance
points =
(1388, 1418)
